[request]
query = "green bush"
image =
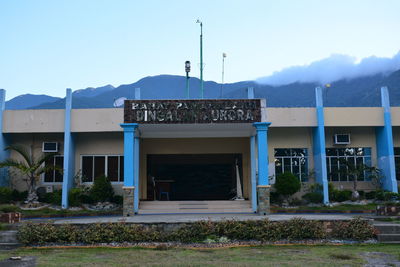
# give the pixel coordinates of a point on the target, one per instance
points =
(5, 195)
(102, 189)
(356, 229)
(287, 184)
(117, 199)
(370, 195)
(87, 199)
(75, 197)
(313, 197)
(55, 198)
(341, 195)
(386, 196)
(8, 208)
(19, 196)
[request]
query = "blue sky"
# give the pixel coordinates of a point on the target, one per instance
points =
(47, 45)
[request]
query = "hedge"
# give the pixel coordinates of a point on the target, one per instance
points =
(261, 230)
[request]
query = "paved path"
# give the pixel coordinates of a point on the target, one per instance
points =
(182, 218)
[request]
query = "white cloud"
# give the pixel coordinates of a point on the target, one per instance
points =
(333, 68)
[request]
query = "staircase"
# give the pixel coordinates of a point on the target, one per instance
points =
(388, 232)
(195, 207)
(8, 240)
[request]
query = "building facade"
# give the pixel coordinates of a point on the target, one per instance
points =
(151, 157)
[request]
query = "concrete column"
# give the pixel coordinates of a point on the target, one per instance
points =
(384, 146)
(129, 168)
(253, 173)
(4, 154)
(69, 152)
(263, 187)
(319, 150)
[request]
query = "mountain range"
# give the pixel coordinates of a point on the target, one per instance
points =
(360, 92)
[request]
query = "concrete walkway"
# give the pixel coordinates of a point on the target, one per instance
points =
(185, 218)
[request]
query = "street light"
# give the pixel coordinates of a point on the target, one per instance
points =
(201, 58)
(187, 69)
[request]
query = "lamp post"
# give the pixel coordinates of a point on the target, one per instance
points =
(201, 58)
(187, 69)
(223, 72)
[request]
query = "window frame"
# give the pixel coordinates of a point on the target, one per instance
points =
(105, 166)
(301, 178)
(42, 176)
(337, 157)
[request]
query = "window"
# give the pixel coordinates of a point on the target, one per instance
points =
(336, 159)
(111, 166)
(54, 176)
(294, 160)
(397, 161)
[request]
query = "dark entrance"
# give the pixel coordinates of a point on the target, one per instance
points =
(192, 177)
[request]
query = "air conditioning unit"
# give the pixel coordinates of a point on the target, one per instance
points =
(50, 147)
(341, 139)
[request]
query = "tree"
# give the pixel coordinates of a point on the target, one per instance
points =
(361, 171)
(31, 167)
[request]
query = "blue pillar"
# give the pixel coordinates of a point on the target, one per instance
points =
(136, 173)
(384, 146)
(253, 173)
(69, 151)
(262, 152)
(4, 154)
(131, 169)
(319, 146)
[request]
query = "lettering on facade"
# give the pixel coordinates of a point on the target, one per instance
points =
(192, 111)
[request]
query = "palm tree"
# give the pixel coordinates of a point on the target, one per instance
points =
(31, 167)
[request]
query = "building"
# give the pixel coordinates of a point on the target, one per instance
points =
(195, 149)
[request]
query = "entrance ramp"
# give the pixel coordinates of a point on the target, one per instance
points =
(195, 207)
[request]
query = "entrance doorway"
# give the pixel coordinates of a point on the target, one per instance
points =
(193, 176)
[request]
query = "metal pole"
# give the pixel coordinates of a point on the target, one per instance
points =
(223, 66)
(201, 60)
(187, 85)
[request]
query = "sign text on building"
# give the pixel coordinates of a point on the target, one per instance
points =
(193, 111)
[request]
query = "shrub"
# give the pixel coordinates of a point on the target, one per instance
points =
(8, 208)
(18, 196)
(370, 195)
(287, 184)
(356, 229)
(55, 198)
(314, 197)
(117, 199)
(341, 195)
(263, 230)
(5, 195)
(75, 197)
(386, 195)
(102, 189)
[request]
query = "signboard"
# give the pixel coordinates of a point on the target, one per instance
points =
(193, 111)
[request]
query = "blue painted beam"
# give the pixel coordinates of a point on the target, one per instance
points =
(129, 153)
(319, 152)
(253, 173)
(384, 146)
(250, 92)
(262, 151)
(4, 154)
(69, 152)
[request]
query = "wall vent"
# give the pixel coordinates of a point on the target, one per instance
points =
(50, 147)
(341, 139)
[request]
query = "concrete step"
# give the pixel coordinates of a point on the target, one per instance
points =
(9, 236)
(388, 238)
(388, 228)
(193, 211)
(211, 203)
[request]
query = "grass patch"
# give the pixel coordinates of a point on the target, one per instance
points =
(243, 256)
